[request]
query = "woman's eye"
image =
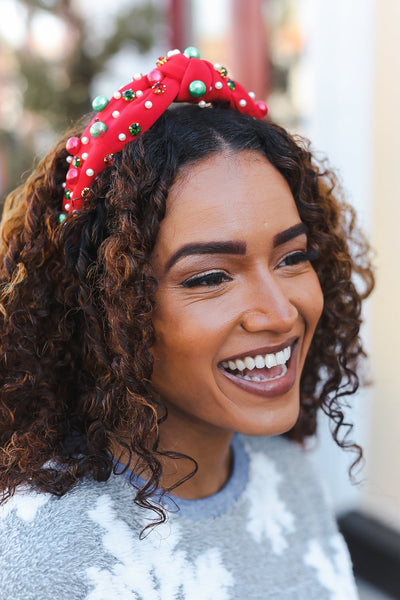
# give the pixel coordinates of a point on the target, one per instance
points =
(211, 279)
(298, 257)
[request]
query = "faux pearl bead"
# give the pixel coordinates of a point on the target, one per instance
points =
(73, 145)
(85, 140)
(173, 52)
(154, 76)
(99, 103)
(191, 52)
(197, 88)
(217, 66)
(252, 95)
(115, 114)
(219, 85)
(97, 129)
(67, 206)
(117, 95)
(122, 137)
(69, 159)
(84, 156)
(148, 104)
(137, 76)
(139, 93)
(202, 103)
(242, 102)
(89, 172)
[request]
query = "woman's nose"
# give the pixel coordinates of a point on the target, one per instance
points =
(269, 306)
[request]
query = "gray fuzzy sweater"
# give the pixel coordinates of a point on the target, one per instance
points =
(268, 534)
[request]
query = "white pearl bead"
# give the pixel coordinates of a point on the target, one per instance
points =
(122, 137)
(139, 93)
(89, 172)
(219, 85)
(117, 95)
(67, 206)
(64, 185)
(69, 159)
(202, 103)
(242, 102)
(217, 66)
(85, 155)
(252, 95)
(85, 140)
(115, 114)
(173, 52)
(148, 104)
(137, 76)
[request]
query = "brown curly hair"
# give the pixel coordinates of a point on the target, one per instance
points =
(76, 302)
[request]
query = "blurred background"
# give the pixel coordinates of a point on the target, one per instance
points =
(329, 70)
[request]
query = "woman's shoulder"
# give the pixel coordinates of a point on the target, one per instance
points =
(49, 545)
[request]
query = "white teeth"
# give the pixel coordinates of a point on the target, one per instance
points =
(240, 364)
(270, 360)
(280, 358)
(250, 363)
(260, 362)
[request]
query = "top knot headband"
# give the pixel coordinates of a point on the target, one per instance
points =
(136, 106)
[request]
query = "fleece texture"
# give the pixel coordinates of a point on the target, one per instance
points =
(268, 534)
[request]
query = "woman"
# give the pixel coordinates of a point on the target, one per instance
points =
(167, 341)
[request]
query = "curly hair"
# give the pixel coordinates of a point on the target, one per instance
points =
(76, 302)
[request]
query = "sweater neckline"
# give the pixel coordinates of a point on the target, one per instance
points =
(211, 506)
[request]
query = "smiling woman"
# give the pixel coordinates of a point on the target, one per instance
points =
(167, 341)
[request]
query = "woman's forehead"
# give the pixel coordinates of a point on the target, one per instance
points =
(227, 194)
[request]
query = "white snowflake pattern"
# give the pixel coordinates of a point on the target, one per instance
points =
(335, 575)
(268, 515)
(155, 568)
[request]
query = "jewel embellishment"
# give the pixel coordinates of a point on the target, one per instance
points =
(161, 61)
(109, 159)
(128, 95)
(135, 129)
(159, 88)
(76, 162)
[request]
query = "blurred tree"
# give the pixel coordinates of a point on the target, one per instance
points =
(57, 86)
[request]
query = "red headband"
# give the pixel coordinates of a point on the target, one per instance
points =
(136, 106)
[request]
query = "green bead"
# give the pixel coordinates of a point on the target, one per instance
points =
(67, 194)
(128, 95)
(197, 88)
(76, 162)
(98, 129)
(99, 103)
(135, 129)
(191, 52)
(223, 72)
(62, 217)
(231, 84)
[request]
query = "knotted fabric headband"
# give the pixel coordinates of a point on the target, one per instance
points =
(178, 77)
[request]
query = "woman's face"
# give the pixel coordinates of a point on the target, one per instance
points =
(237, 302)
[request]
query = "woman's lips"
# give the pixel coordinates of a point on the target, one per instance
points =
(278, 379)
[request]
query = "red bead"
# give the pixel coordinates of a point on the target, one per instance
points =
(154, 76)
(262, 106)
(72, 176)
(73, 145)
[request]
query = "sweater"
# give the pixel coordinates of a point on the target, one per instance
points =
(267, 534)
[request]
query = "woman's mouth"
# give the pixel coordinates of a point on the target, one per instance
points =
(267, 374)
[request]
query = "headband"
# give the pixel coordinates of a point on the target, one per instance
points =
(178, 77)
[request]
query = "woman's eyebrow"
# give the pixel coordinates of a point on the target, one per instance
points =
(228, 247)
(289, 234)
